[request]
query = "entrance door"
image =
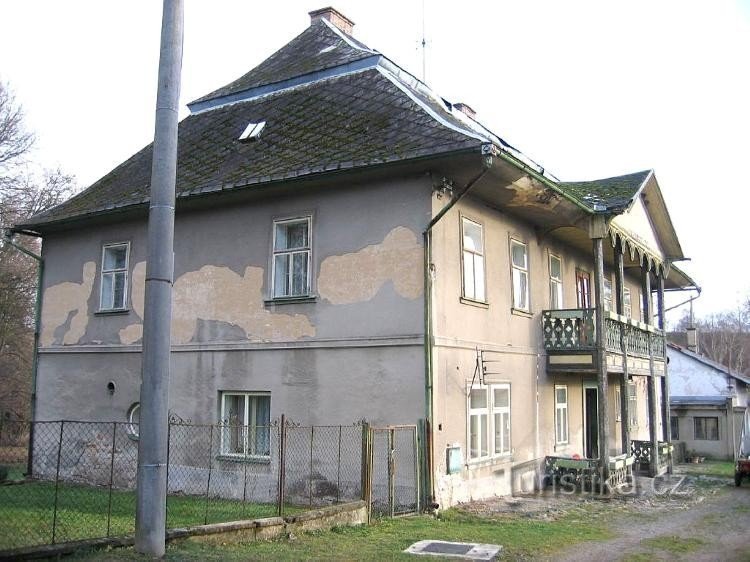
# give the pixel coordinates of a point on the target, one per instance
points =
(591, 422)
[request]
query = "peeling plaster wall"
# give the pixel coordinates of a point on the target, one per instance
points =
(353, 351)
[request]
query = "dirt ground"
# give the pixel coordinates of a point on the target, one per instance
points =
(688, 518)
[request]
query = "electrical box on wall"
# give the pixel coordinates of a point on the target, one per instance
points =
(454, 459)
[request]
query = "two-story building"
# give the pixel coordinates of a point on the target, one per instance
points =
(350, 245)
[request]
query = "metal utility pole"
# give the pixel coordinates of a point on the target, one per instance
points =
(151, 507)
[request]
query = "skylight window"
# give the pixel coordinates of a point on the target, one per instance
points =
(252, 131)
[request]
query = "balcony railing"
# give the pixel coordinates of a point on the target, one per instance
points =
(575, 330)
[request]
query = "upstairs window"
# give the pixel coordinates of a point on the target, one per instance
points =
(583, 289)
(291, 258)
(472, 243)
(246, 424)
(555, 283)
(627, 304)
(114, 289)
(520, 274)
(607, 297)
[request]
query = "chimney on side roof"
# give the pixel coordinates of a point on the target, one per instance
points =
(335, 17)
(466, 110)
(692, 338)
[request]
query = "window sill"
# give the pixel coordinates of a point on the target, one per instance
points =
(523, 313)
(243, 458)
(291, 300)
(472, 302)
(113, 312)
(492, 461)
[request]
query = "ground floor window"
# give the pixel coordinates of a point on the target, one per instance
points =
(246, 420)
(489, 421)
(706, 428)
(561, 414)
(674, 426)
(632, 405)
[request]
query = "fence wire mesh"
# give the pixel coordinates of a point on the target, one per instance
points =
(83, 476)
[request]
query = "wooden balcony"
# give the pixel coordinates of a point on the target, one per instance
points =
(570, 342)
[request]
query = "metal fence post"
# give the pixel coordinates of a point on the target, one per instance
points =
(365, 459)
(338, 471)
(282, 465)
(166, 499)
(309, 476)
(210, 466)
(391, 475)
(111, 477)
(57, 481)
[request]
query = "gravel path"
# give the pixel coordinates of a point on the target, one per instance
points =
(712, 522)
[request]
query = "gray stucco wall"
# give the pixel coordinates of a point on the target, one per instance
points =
(353, 351)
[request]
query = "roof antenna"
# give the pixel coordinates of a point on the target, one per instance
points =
(424, 48)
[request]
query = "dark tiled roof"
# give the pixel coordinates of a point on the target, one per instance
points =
(345, 122)
(612, 193)
(317, 48)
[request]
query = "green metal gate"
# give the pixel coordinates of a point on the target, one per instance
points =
(393, 483)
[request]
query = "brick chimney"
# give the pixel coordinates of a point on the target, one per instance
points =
(692, 339)
(335, 17)
(466, 110)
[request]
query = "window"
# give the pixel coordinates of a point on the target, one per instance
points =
(561, 414)
(632, 405)
(520, 272)
(501, 414)
(607, 294)
(674, 426)
(627, 304)
(246, 421)
(555, 283)
(483, 427)
(114, 276)
(583, 289)
(472, 241)
(706, 429)
(618, 405)
(291, 258)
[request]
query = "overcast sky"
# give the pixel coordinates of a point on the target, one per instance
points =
(587, 89)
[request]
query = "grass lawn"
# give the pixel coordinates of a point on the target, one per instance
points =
(26, 513)
(386, 539)
(718, 469)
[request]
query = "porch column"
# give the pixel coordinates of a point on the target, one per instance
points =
(652, 409)
(665, 410)
(597, 232)
(624, 392)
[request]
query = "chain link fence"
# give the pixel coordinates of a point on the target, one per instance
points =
(83, 475)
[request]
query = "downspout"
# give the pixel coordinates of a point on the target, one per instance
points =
(428, 332)
(35, 356)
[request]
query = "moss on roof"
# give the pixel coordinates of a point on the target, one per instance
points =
(612, 193)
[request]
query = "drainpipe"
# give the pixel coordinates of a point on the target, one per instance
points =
(35, 357)
(428, 334)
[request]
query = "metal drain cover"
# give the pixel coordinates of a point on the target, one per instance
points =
(466, 550)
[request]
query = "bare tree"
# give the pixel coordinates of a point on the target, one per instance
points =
(24, 191)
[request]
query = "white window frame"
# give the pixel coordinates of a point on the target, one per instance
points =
(113, 272)
(632, 404)
(561, 412)
(248, 423)
(607, 293)
(520, 271)
(476, 256)
(490, 411)
(627, 303)
(291, 252)
(555, 285)
(503, 412)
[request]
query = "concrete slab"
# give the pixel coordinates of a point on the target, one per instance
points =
(463, 550)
